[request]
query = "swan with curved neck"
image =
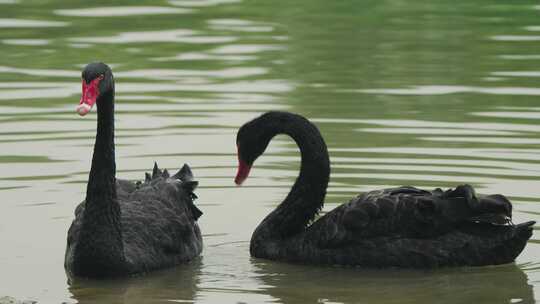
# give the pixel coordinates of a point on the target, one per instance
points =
(397, 227)
(122, 227)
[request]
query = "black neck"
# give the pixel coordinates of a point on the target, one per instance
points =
(100, 240)
(307, 195)
(101, 183)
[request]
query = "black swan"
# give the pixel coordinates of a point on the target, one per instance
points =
(398, 227)
(123, 228)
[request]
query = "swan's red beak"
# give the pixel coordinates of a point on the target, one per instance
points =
(90, 93)
(243, 172)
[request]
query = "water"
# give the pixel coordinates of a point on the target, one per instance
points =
(430, 93)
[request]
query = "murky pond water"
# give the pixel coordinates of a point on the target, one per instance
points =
(426, 93)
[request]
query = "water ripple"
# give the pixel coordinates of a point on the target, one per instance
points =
(519, 57)
(513, 114)
(27, 23)
(166, 36)
(443, 90)
(239, 25)
(245, 49)
(30, 42)
(201, 3)
(525, 154)
(118, 11)
(518, 73)
(515, 38)
(428, 124)
(434, 131)
(491, 140)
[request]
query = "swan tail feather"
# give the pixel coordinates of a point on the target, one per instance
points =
(483, 204)
(185, 173)
(196, 212)
(189, 185)
(156, 172)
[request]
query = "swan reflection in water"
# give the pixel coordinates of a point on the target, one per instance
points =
(293, 283)
(178, 284)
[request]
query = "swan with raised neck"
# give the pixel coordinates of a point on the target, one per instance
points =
(124, 227)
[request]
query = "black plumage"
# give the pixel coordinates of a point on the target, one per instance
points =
(397, 227)
(122, 227)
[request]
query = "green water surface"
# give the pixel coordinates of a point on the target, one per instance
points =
(430, 93)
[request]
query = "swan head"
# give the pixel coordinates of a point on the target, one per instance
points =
(253, 138)
(97, 80)
(246, 147)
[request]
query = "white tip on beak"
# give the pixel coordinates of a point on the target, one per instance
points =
(83, 109)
